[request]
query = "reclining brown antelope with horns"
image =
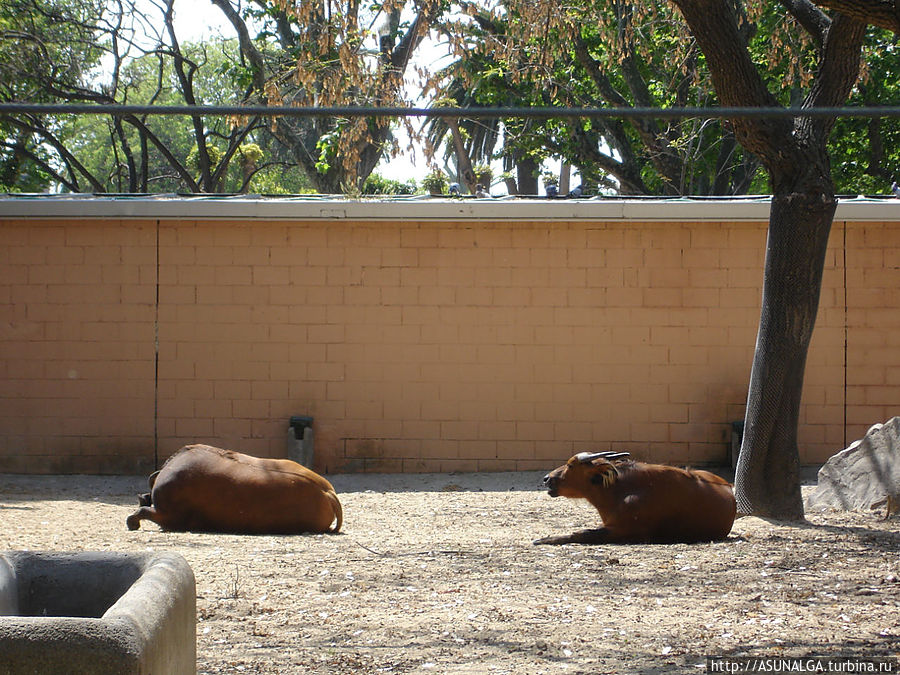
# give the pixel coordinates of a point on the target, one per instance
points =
(643, 503)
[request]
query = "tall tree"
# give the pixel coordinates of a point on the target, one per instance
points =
(69, 51)
(590, 53)
(627, 54)
(45, 48)
(330, 53)
(634, 55)
(794, 151)
(816, 64)
(320, 53)
(121, 156)
(488, 71)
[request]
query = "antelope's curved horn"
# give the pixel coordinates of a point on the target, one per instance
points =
(588, 457)
(613, 454)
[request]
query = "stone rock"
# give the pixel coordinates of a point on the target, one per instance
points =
(863, 476)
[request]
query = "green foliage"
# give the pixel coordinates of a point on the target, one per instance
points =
(327, 150)
(193, 158)
(600, 54)
(250, 153)
(592, 54)
(102, 147)
(865, 153)
(436, 182)
(279, 180)
(42, 43)
(376, 184)
(520, 53)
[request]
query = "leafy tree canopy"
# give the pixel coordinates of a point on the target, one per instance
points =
(507, 53)
(624, 54)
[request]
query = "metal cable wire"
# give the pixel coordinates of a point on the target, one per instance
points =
(446, 112)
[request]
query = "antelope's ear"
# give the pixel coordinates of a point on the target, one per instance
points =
(605, 475)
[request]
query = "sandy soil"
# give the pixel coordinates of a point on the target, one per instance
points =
(437, 574)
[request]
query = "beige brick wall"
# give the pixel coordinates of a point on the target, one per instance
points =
(77, 307)
(418, 346)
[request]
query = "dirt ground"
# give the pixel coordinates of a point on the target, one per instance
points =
(436, 573)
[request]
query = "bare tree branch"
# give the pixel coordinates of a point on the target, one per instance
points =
(39, 161)
(234, 144)
(813, 19)
(881, 13)
(838, 71)
(735, 76)
(180, 170)
(72, 163)
(248, 49)
(185, 78)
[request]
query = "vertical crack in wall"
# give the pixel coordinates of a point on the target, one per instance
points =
(846, 326)
(156, 361)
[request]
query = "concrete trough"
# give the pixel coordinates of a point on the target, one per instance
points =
(93, 613)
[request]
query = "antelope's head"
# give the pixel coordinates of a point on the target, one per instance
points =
(583, 474)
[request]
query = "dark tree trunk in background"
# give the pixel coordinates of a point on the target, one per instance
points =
(527, 170)
(767, 482)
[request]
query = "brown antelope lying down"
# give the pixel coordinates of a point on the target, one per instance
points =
(205, 489)
(643, 503)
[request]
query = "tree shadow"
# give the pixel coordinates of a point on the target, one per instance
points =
(883, 536)
(878, 646)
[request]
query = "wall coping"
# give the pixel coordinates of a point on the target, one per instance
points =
(421, 208)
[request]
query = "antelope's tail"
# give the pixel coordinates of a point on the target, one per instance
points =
(338, 511)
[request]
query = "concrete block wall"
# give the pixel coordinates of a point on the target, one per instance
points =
(873, 320)
(418, 345)
(78, 303)
(441, 346)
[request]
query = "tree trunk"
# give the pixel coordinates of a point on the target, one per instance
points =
(464, 169)
(565, 177)
(526, 175)
(767, 482)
